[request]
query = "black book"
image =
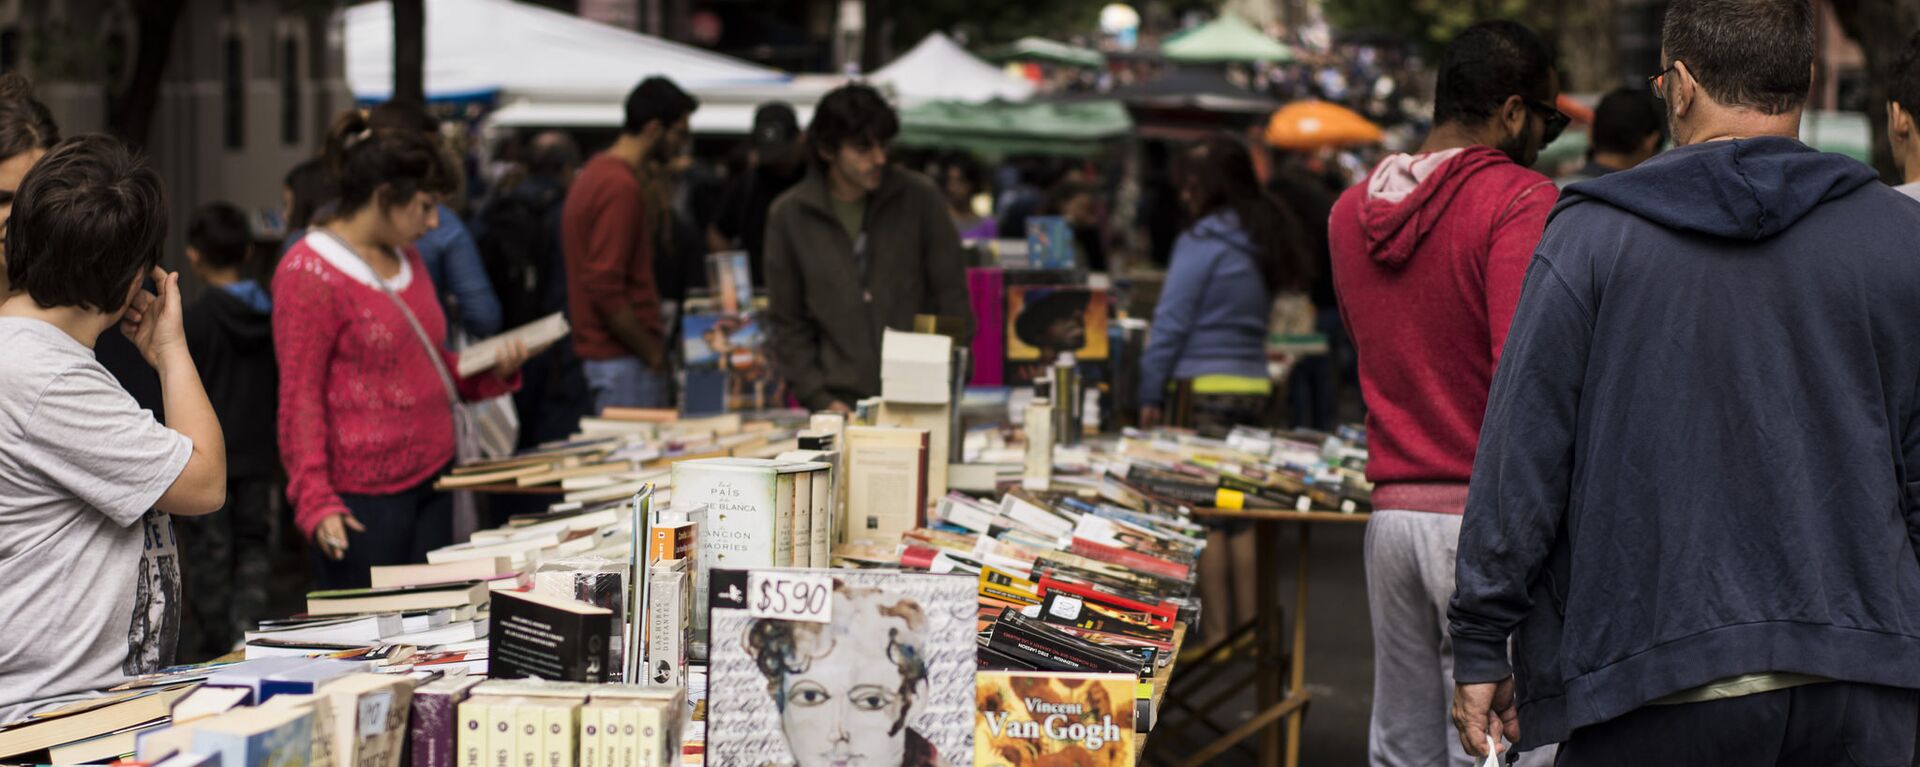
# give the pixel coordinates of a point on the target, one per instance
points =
(1049, 649)
(540, 637)
(986, 658)
(1114, 658)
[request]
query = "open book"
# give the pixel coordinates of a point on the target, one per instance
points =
(537, 335)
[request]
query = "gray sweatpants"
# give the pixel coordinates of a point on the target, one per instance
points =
(1409, 581)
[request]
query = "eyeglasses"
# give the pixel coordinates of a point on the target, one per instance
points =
(1556, 120)
(1659, 82)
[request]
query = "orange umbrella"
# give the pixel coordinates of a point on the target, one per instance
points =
(1308, 125)
(1574, 109)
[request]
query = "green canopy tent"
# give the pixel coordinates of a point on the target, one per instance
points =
(999, 129)
(1051, 52)
(1225, 39)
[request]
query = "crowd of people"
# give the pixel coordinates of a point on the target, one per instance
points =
(1639, 438)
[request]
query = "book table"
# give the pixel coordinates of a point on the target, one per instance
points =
(1280, 666)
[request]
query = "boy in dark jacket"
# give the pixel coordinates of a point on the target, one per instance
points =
(227, 556)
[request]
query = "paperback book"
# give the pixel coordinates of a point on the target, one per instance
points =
(897, 647)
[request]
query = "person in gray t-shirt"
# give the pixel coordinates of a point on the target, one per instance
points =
(87, 478)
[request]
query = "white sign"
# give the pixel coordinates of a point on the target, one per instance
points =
(373, 713)
(792, 596)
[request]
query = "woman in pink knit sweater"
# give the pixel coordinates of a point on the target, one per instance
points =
(365, 421)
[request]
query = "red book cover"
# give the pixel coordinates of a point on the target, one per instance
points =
(1126, 558)
(1162, 615)
(918, 557)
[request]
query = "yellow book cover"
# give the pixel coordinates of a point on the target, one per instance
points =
(529, 728)
(472, 739)
(609, 736)
(629, 740)
(589, 750)
(659, 738)
(502, 716)
(562, 733)
(1032, 718)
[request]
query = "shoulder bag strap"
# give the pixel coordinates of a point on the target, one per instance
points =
(419, 332)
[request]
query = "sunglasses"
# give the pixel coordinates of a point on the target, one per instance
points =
(1659, 82)
(1556, 120)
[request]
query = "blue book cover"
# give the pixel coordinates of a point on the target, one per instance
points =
(258, 738)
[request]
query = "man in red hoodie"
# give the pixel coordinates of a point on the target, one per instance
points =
(1428, 256)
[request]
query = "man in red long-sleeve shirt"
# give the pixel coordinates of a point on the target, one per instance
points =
(1428, 257)
(607, 237)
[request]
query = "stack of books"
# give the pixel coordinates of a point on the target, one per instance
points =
(617, 452)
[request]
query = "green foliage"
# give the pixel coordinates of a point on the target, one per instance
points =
(1429, 24)
(991, 22)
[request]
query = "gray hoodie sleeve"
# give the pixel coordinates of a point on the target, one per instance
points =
(1522, 471)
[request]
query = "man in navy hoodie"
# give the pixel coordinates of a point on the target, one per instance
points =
(1692, 505)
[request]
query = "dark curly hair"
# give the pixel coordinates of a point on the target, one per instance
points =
(395, 163)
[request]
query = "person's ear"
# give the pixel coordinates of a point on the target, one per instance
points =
(1512, 117)
(193, 256)
(383, 197)
(1683, 90)
(1899, 123)
(654, 130)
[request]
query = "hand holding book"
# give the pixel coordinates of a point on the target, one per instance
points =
(505, 353)
(511, 355)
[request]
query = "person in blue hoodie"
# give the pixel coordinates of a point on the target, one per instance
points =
(1210, 325)
(1694, 507)
(227, 557)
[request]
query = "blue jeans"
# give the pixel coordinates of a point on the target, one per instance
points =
(625, 382)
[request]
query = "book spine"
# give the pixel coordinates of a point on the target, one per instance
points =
(610, 736)
(1031, 655)
(561, 737)
(590, 741)
(628, 739)
(661, 544)
(530, 722)
(650, 721)
(782, 521)
(1039, 463)
(1059, 648)
(920, 499)
(501, 721)
(1125, 558)
(663, 630)
(821, 522)
(1120, 659)
(432, 730)
(800, 526)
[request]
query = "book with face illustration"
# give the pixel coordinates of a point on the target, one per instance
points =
(887, 679)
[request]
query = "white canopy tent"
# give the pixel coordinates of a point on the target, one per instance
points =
(723, 111)
(520, 52)
(938, 69)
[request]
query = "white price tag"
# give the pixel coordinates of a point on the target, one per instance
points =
(373, 713)
(793, 596)
(1066, 608)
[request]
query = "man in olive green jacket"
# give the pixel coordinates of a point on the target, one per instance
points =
(854, 249)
